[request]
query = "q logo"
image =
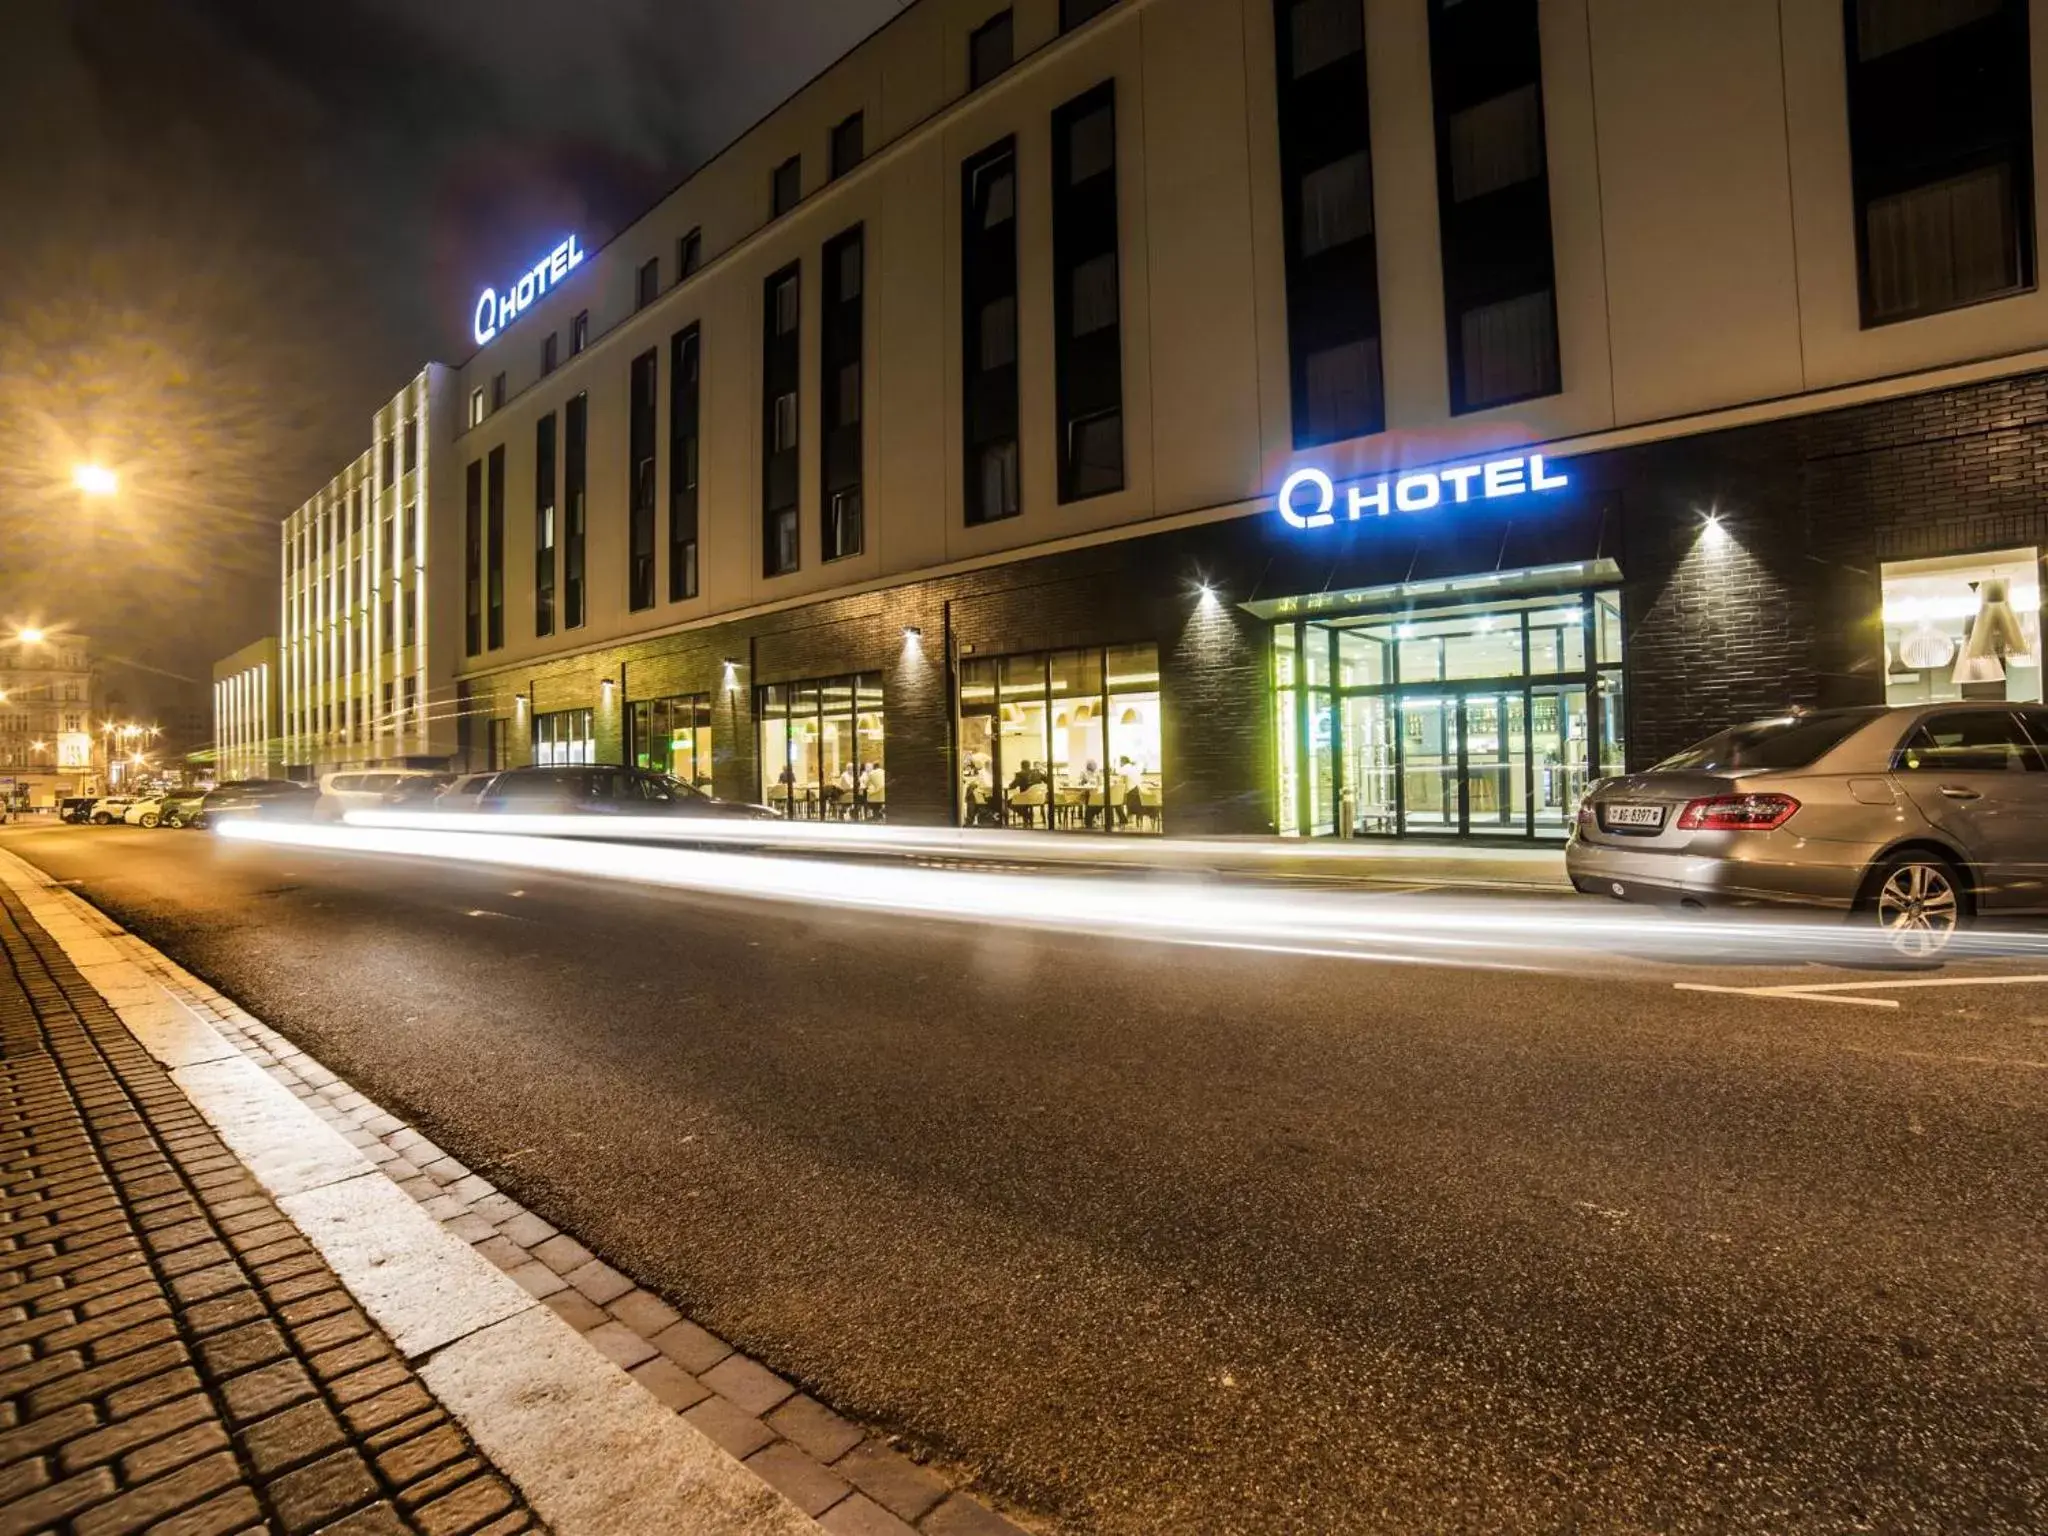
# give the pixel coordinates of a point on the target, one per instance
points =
(1325, 494)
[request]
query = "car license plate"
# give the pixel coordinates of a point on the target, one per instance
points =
(1634, 818)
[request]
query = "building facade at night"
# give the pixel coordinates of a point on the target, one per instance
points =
(1288, 416)
(247, 740)
(51, 707)
(365, 661)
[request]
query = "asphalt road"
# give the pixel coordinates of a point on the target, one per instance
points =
(1185, 1239)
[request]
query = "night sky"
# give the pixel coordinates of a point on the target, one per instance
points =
(231, 229)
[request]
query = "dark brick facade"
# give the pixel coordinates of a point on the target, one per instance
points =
(1780, 607)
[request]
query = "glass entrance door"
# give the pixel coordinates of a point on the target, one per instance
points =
(1494, 730)
(1430, 801)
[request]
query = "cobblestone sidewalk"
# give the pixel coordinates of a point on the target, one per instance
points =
(174, 1356)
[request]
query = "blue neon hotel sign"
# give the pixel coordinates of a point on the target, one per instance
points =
(1308, 497)
(495, 310)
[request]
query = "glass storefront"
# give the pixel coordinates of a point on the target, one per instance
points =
(1459, 718)
(1065, 741)
(673, 736)
(1967, 627)
(562, 737)
(821, 748)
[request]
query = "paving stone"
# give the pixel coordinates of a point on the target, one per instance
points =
(323, 1491)
(899, 1485)
(236, 1510)
(562, 1253)
(160, 1456)
(286, 1439)
(258, 1394)
(860, 1515)
(470, 1505)
(412, 1459)
(472, 1228)
(47, 1506)
(599, 1281)
(524, 1228)
(746, 1384)
(808, 1423)
(959, 1515)
(501, 1251)
(539, 1281)
(808, 1484)
(621, 1345)
(377, 1520)
(105, 1444)
(739, 1433)
(243, 1349)
(691, 1347)
(675, 1387)
(577, 1310)
(644, 1312)
(144, 1506)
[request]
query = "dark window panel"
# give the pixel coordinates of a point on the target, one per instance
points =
(781, 358)
(494, 550)
(647, 282)
(544, 525)
(787, 187)
(473, 559)
(689, 254)
(847, 146)
(575, 428)
(1075, 12)
(988, 267)
(991, 49)
(685, 384)
(643, 387)
(1088, 337)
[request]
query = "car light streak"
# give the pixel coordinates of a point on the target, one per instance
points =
(1561, 934)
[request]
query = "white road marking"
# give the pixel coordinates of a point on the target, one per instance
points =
(1842, 991)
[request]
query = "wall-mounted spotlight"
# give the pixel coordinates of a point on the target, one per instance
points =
(912, 634)
(732, 674)
(1712, 533)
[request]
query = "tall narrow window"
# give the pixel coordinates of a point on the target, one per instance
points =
(579, 332)
(640, 482)
(1333, 303)
(575, 425)
(1074, 12)
(411, 438)
(1088, 340)
(781, 364)
(1493, 202)
(689, 253)
(476, 406)
(494, 550)
(988, 331)
(647, 282)
(544, 525)
(1941, 153)
(473, 559)
(787, 187)
(390, 447)
(497, 401)
(840, 341)
(685, 365)
(550, 352)
(991, 49)
(847, 146)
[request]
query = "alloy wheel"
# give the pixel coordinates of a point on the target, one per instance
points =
(1919, 908)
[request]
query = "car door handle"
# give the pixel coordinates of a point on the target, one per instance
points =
(1961, 792)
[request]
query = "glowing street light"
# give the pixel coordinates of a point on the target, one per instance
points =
(29, 636)
(95, 479)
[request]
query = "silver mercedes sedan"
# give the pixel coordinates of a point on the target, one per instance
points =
(1918, 818)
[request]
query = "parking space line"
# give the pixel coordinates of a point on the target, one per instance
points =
(1812, 995)
(1849, 991)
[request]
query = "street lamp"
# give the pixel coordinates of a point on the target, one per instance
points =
(95, 479)
(29, 636)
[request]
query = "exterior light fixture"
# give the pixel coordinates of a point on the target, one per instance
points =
(30, 636)
(1711, 531)
(912, 634)
(95, 479)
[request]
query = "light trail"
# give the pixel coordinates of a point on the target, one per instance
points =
(1336, 923)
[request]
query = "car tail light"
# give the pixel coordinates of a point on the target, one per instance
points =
(1737, 813)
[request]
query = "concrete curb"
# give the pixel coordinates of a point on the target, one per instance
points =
(593, 1454)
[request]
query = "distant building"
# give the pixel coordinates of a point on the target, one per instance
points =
(365, 663)
(50, 703)
(247, 742)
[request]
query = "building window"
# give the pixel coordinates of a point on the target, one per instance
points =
(988, 289)
(544, 525)
(685, 384)
(561, 738)
(689, 254)
(476, 406)
(672, 736)
(840, 358)
(389, 462)
(412, 615)
(1332, 262)
(991, 49)
(575, 424)
(1088, 341)
(497, 391)
(412, 702)
(640, 481)
(781, 366)
(847, 148)
(1066, 741)
(412, 529)
(1074, 12)
(1963, 628)
(550, 352)
(411, 439)
(821, 748)
(786, 188)
(1493, 202)
(473, 559)
(1941, 152)
(579, 332)
(647, 282)
(494, 549)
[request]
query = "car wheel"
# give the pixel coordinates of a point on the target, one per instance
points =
(101, 818)
(1919, 902)
(150, 818)
(174, 820)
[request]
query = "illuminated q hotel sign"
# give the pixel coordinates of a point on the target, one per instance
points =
(495, 310)
(1308, 497)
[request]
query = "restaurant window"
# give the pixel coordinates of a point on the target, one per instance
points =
(640, 481)
(544, 525)
(991, 48)
(821, 748)
(575, 422)
(988, 286)
(563, 736)
(839, 373)
(1967, 627)
(1067, 741)
(494, 551)
(684, 448)
(781, 364)
(673, 736)
(1941, 153)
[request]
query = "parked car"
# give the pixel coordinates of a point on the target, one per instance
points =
(366, 790)
(463, 793)
(109, 809)
(76, 808)
(1919, 818)
(604, 790)
(181, 808)
(146, 812)
(265, 799)
(418, 792)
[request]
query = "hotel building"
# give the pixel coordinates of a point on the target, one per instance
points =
(1627, 368)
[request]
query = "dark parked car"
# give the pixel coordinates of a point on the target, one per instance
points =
(76, 808)
(604, 790)
(181, 808)
(267, 799)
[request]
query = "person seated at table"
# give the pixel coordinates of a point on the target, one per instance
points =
(1089, 782)
(874, 788)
